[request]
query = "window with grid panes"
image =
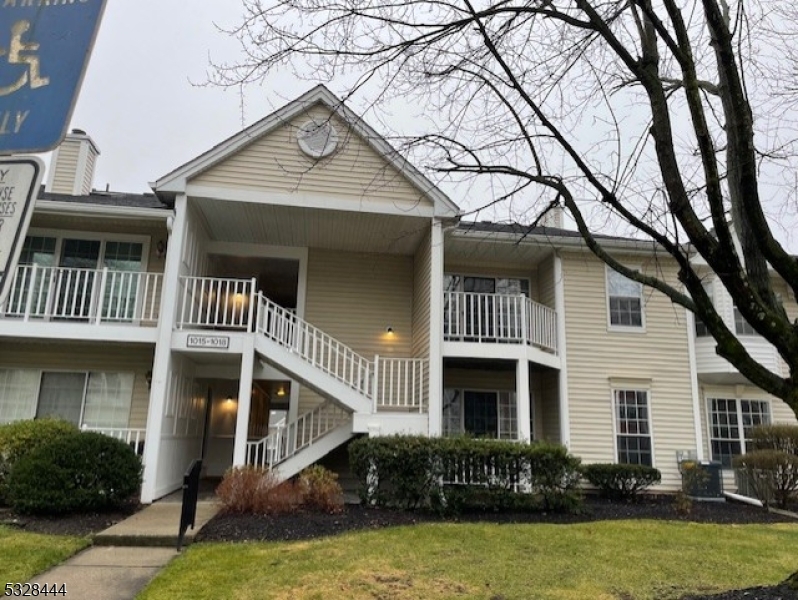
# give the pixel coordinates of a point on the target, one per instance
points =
(632, 427)
(490, 414)
(731, 421)
(741, 326)
(625, 300)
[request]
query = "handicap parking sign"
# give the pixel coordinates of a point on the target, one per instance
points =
(44, 49)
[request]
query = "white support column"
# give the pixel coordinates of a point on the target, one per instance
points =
(695, 392)
(559, 306)
(162, 362)
(435, 391)
(244, 401)
(522, 398)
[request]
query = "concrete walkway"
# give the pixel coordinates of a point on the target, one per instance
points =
(126, 556)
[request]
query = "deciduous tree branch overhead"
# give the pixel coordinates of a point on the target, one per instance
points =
(672, 118)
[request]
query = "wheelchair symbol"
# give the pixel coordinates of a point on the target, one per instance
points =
(20, 53)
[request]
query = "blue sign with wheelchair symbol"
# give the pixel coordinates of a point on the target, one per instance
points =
(44, 49)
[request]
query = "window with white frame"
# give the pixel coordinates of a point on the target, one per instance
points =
(481, 413)
(632, 427)
(93, 399)
(625, 300)
(730, 424)
(741, 326)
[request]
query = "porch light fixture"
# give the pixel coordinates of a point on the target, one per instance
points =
(148, 377)
(389, 330)
(229, 400)
(281, 391)
(160, 249)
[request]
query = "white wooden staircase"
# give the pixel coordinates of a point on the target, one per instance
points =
(349, 383)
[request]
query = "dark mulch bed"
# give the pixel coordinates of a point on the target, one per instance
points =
(308, 525)
(71, 524)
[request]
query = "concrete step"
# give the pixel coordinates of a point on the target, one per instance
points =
(156, 525)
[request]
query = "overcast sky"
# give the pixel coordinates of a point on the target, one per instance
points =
(143, 103)
(139, 100)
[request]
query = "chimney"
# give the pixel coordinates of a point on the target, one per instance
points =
(72, 165)
(553, 218)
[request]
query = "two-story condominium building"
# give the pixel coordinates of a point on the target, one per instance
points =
(300, 284)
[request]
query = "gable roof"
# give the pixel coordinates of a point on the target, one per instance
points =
(173, 183)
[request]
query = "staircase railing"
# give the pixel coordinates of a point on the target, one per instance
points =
(310, 343)
(296, 435)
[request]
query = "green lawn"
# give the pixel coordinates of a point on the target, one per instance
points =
(23, 555)
(603, 560)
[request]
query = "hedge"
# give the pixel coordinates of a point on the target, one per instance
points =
(454, 474)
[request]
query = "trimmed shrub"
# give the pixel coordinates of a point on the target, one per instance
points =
(772, 474)
(80, 472)
(621, 481)
(21, 437)
(455, 474)
(254, 490)
(398, 471)
(321, 490)
(555, 475)
(775, 437)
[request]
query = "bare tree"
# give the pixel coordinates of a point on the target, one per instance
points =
(642, 112)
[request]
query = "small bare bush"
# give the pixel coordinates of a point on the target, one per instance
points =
(773, 474)
(257, 491)
(321, 490)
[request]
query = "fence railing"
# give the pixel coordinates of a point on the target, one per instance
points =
(400, 383)
(498, 318)
(88, 295)
(210, 302)
(296, 435)
(131, 436)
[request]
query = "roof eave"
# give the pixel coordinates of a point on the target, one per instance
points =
(53, 207)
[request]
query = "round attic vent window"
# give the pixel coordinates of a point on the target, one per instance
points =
(317, 138)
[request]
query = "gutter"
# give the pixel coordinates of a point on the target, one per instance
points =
(124, 212)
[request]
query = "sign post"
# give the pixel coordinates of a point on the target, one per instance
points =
(44, 50)
(20, 179)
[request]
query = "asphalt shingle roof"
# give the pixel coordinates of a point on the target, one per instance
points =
(120, 199)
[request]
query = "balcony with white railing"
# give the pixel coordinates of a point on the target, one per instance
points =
(498, 319)
(94, 296)
(216, 303)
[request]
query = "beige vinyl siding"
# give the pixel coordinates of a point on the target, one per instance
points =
(421, 298)
(88, 357)
(88, 174)
(275, 163)
(66, 159)
(549, 420)
(194, 258)
(478, 379)
(655, 358)
(546, 283)
(353, 297)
